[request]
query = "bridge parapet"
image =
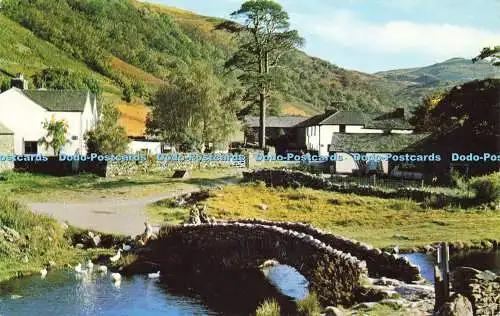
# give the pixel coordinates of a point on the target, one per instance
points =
(334, 275)
(379, 263)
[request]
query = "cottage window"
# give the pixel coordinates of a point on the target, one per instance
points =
(342, 128)
(74, 137)
(31, 148)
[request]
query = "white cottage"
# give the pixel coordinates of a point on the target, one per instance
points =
(23, 112)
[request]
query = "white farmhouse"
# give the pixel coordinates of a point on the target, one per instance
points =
(23, 112)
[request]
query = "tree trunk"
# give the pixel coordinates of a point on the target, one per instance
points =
(263, 69)
(262, 130)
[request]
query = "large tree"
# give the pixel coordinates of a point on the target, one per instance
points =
(194, 109)
(489, 52)
(108, 137)
(263, 39)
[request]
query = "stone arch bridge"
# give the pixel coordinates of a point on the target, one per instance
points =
(334, 275)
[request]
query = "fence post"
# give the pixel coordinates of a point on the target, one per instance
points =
(441, 276)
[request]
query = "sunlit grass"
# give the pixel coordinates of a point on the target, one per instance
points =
(380, 222)
(34, 187)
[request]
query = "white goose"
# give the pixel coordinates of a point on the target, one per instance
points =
(116, 257)
(43, 273)
(90, 265)
(116, 277)
(126, 247)
(154, 275)
(78, 268)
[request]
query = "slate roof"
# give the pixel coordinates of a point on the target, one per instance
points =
(386, 121)
(4, 130)
(275, 121)
(375, 143)
(379, 120)
(345, 117)
(58, 100)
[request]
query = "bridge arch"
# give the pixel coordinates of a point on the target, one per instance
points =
(335, 276)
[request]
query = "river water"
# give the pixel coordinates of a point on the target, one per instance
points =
(61, 293)
(481, 260)
(64, 293)
(235, 293)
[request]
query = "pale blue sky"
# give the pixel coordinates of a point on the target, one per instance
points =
(374, 35)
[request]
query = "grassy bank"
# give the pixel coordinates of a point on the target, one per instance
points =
(29, 241)
(380, 222)
(34, 187)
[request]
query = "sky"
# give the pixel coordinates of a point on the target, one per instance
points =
(376, 35)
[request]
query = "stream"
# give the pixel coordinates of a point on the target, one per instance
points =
(233, 293)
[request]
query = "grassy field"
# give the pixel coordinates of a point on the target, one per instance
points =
(380, 222)
(41, 188)
(41, 239)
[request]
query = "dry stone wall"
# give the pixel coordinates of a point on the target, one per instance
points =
(296, 179)
(334, 275)
(482, 288)
(129, 168)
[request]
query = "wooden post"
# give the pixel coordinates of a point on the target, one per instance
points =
(445, 267)
(441, 276)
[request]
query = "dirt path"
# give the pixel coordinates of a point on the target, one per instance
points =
(111, 215)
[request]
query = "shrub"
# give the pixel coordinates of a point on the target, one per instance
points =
(309, 306)
(268, 308)
(487, 188)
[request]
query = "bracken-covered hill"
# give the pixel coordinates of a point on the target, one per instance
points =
(126, 42)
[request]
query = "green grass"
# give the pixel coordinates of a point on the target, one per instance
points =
(21, 51)
(380, 222)
(33, 187)
(268, 308)
(309, 306)
(41, 239)
(382, 309)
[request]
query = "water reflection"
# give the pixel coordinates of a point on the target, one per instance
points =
(481, 260)
(63, 294)
(288, 280)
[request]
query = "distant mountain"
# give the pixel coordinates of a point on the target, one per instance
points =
(417, 82)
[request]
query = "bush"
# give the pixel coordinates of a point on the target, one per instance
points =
(487, 188)
(268, 308)
(309, 306)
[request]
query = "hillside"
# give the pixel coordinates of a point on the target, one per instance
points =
(128, 43)
(441, 76)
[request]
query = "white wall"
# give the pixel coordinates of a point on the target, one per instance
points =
(153, 148)
(358, 129)
(401, 131)
(348, 165)
(24, 117)
(319, 137)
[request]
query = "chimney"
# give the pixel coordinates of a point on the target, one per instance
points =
(399, 113)
(330, 110)
(19, 82)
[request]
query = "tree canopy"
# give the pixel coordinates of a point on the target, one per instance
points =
(63, 79)
(489, 52)
(194, 109)
(263, 40)
(108, 137)
(56, 136)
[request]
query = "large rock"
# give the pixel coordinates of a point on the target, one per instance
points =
(333, 311)
(458, 305)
